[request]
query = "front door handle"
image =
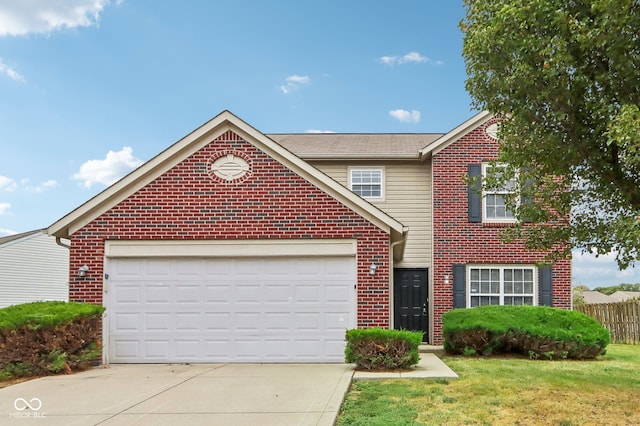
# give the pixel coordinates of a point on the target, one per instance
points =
(424, 309)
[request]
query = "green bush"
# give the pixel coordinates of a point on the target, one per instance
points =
(46, 314)
(48, 337)
(539, 332)
(381, 349)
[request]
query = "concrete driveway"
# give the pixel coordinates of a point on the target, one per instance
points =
(196, 394)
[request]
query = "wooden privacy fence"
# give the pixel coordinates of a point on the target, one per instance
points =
(622, 319)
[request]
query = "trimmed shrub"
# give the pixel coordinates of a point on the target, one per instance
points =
(381, 349)
(540, 332)
(49, 337)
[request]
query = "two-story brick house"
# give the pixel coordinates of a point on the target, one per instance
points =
(236, 246)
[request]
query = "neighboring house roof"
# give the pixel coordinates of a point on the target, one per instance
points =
(192, 143)
(592, 297)
(12, 238)
(455, 134)
(361, 146)
(621, 296)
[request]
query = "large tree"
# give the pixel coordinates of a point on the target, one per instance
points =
(565, 76)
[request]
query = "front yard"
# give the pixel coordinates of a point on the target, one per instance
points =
(507, 391)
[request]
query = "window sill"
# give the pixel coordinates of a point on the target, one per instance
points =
(498, 224)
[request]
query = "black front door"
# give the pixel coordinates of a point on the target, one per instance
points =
(411, 303)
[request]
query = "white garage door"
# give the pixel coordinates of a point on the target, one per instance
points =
(229, 310)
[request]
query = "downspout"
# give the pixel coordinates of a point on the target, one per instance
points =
(405, 230)
(61, 244)
(68, 247)
(403, 240)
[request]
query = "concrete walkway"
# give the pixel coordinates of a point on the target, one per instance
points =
(193, 394)
(429, 367)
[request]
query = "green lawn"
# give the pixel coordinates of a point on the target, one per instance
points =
(507, 391)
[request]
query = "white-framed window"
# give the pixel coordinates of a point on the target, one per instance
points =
(501, 285)
(494, 200)
(367, 182)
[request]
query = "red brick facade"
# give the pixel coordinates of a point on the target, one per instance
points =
(457, 241)
(271, 203)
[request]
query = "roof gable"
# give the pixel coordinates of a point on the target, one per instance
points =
(455, 134)
(192, 143)
(19, 237)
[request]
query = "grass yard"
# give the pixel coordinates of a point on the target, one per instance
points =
(507, 391)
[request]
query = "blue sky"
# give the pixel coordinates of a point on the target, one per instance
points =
(90, 89)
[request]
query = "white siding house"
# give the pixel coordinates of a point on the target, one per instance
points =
(32, 268)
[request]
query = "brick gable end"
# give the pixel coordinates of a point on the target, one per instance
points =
(271, 203)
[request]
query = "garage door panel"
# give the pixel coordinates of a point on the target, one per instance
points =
(189, 268)
(156, 349)
(307, 267)
(310, 293)
(157, 321)
(277, 321)
(218, 293)
(187, 349)
(187, 321)
(154, 268)
(128, 267)
(188, 293)
(127, 350)
(247, 293)
(274, 293)
(156, 293)
(128, 294)
(218, 321)
(230, 310)
(336, 321)
(337, 293)
(128, 321)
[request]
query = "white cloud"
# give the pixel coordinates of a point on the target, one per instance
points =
(411, 57)
(4, 208)
(293, 83)
(388, 60)
(44, 16)
(319, 131)
(11, 73)
(601, 271)
(405, 116)
(43, 186)
(107, 171)
(5, 232)
(7, 184)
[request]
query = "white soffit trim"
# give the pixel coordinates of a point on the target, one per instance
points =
(455, 134)
(230, 248)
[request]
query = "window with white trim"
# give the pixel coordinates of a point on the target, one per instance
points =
(494, 200)
(367, 183)
(501, 285)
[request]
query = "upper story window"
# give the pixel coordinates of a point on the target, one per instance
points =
(494, 199)
(367, 183)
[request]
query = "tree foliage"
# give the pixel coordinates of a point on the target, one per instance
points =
(565, 77)
(620, 287)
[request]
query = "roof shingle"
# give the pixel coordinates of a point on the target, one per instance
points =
(355, 145)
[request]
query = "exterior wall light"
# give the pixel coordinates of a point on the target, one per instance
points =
(372, 269)
(82, 271)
